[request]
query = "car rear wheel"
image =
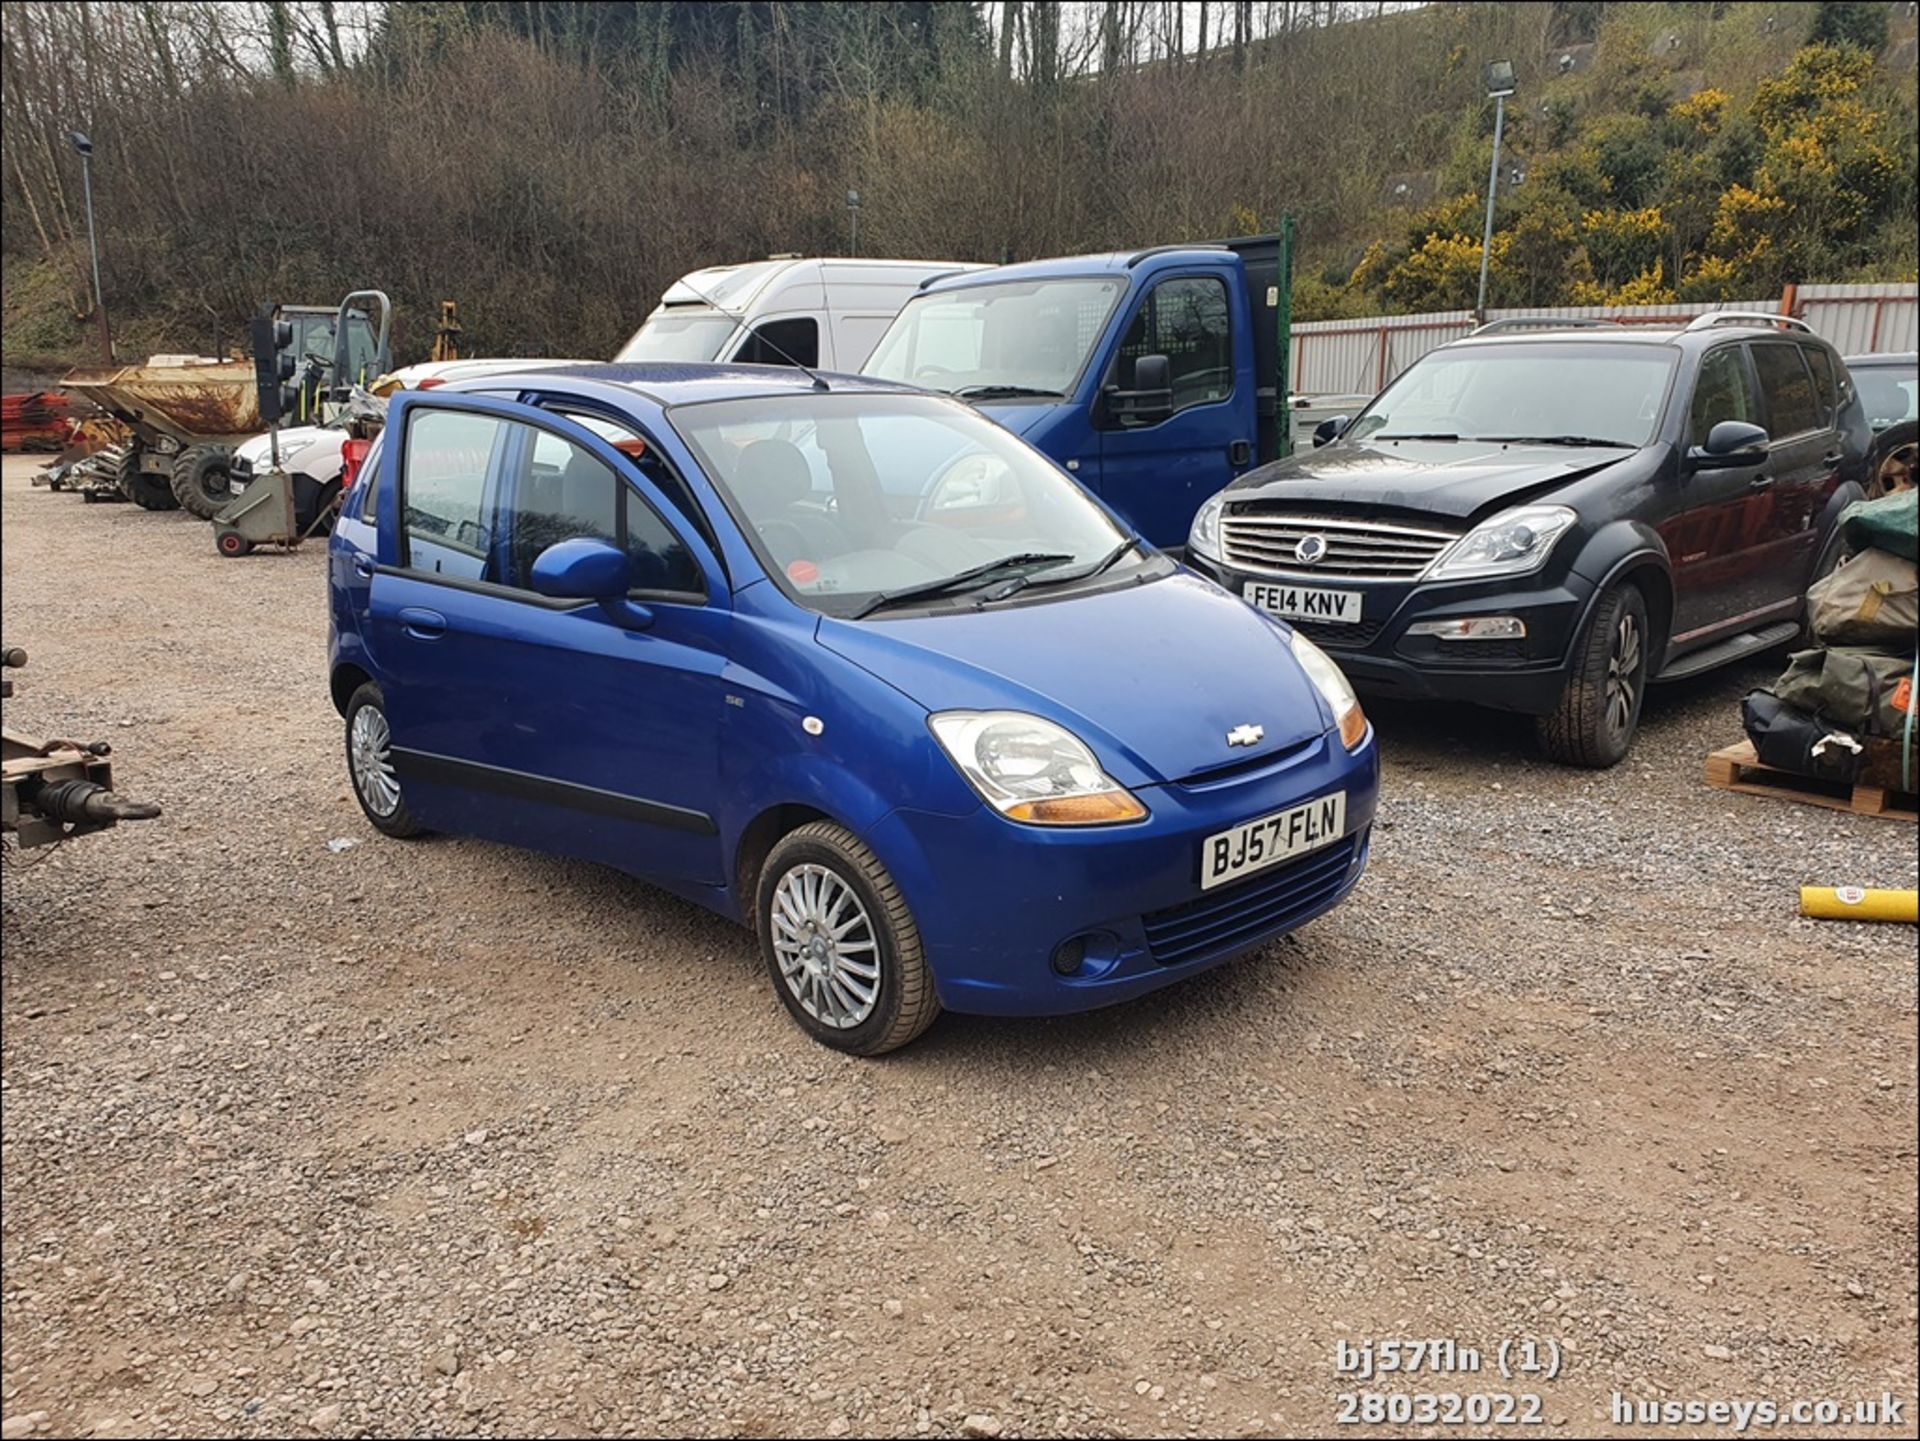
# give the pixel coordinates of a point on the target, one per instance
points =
(1599, 711)
(840, 943)
(370, 764)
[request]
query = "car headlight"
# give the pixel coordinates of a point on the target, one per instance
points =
(1032, 770)
(1204, 537)
(1334, 688)
(1511, 543)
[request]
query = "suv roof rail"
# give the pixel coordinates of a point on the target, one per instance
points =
(1544, 322)
(1746, 317)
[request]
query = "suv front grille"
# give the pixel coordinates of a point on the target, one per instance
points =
(1355, 549)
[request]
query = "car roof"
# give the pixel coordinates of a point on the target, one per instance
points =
(1905, 359)
(685, 382)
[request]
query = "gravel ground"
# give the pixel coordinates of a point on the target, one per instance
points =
(447, 1137)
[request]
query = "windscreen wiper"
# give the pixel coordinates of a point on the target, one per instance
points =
(1579, 440)
(971, 578)
(1051, 577)
(1002, 392)
(1416, 435)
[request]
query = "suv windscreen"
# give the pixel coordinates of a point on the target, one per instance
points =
(849, 498)
(1029, 336)
(1544, 389)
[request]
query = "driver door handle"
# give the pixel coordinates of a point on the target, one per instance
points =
(1760, 482)
(363, 565)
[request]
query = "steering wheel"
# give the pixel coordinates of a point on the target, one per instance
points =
(927, 371)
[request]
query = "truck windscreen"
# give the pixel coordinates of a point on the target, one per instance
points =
(1014, 336)
(683, 335)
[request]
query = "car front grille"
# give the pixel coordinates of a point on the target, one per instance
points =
(1249, 911)
(1354, 549)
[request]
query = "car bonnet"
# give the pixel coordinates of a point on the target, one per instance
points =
(1153, 676)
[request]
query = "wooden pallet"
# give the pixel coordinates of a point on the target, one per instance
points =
(1737, 768)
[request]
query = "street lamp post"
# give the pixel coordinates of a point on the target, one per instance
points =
(85, 148)
(853, 219)
(1499, 86)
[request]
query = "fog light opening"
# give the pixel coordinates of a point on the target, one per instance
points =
(1069, 956)
(1474, 627)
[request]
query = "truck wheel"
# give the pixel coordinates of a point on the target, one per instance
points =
(149, 492)
(840, 943)
(370, 764)
(126, 469)
(202, 479)
(1599, 711)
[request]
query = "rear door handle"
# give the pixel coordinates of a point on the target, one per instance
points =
(363, 565)
(1833, 459)
(422, 624)
(1760, 482)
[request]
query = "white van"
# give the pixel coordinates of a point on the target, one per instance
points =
(828, 313)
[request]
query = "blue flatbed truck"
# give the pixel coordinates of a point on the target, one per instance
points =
(1152, 376)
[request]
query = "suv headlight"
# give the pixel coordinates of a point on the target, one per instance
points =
(1204, 537)
(1334, 688)
(1511, 543)
(1032, 770)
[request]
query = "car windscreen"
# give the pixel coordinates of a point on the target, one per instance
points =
(1020, 335)
(1548, 390)
(687, 335)
(849, 498)
(1888, 393)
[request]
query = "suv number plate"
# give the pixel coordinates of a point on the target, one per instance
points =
(1299, 602)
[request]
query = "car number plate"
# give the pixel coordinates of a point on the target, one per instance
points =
(1272, 839)
(1299, 602)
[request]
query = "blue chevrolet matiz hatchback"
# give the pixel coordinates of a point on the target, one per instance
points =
(847, 662)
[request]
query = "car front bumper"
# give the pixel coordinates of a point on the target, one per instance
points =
(994, 900)
(1379, 656)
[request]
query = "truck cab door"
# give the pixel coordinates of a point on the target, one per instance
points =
(1159, 462)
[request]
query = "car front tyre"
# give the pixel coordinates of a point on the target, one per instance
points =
(840, 943)
(370, 764)
(1599, 711)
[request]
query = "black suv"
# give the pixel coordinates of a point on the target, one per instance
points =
(1543, 517)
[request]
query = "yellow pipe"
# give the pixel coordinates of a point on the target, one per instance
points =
(1856, 903)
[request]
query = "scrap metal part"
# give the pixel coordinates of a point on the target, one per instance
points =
(51, 789)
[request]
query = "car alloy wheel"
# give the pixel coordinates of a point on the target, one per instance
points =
(824, 941)
(1625, 660)
(371, 749)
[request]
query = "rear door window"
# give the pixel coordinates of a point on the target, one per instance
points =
(1792, 406)
(1724, 391)
(1823, 384)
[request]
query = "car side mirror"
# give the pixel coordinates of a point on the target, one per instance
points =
(586, 569)
(1330, 430)
(1151, 398)
(1729, 444)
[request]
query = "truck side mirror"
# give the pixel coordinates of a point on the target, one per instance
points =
(1151, 398)
(1329, 430)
